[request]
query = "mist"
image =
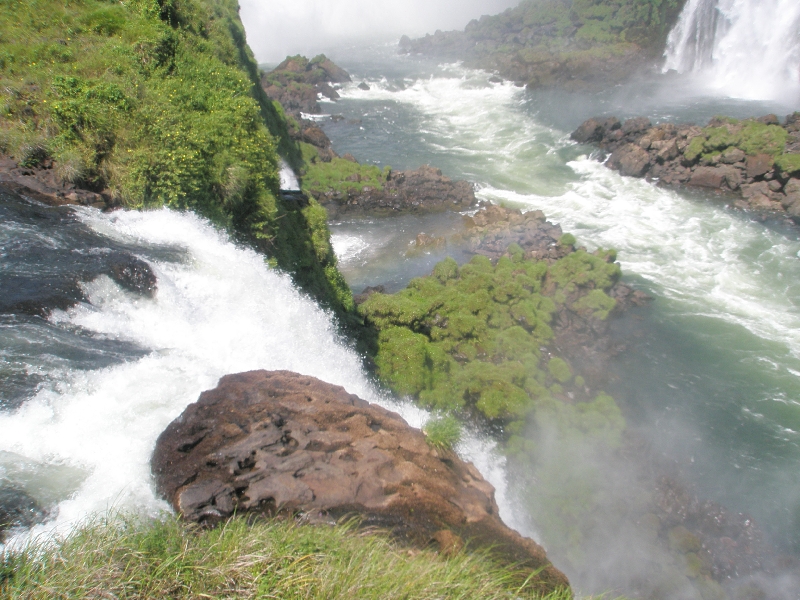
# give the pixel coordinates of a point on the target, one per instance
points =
(278, 28)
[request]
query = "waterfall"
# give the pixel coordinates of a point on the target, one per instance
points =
(743, 48)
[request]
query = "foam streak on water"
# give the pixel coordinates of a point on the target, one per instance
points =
(708, 259)
(220, 310)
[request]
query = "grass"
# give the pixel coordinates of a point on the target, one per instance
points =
(339, 175)
(158, 103)
(130, 558)
(442, 432)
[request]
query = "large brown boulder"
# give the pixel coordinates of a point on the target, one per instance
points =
(275, 442)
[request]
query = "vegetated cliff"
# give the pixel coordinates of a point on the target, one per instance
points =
(756, 159)
(148, 103)
(574, 44)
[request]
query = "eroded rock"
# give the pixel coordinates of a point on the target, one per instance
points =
(687, 155)
(275, 442)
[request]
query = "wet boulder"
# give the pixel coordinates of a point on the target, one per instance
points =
(17, 509)
(279, 443)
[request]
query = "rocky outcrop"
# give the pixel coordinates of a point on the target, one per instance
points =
(275, 442)
(43, 184)
(422, 190)
(297, 82)
(756, 160)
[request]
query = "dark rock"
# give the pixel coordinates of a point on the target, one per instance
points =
(758, 165)
(769, 120)
(17, 509)
(712, 177)
(363, 86)
(732, 156)
(315, 136)
(297, 81)
(591, 131)
(367, 292)
(636, 125)
(422, 190)
(132, 274)
(630, 160)
(494, 228)
(269, 443)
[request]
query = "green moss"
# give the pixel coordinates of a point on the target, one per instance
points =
(559, 369)
(468, 339)
(788, 164)
(751, 137)
(567, 240)
(596, 303)
(684, 541)
(339, 175)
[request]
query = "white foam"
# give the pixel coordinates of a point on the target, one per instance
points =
(222, 311)
(741, 48)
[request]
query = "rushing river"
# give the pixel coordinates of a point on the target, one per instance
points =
(711, 378)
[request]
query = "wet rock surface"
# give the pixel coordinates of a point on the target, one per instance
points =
(766, 178)
(275, 442)
(423, 190)
(42, 183)
(17, 509)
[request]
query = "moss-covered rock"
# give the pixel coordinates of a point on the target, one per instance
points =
(471, 339)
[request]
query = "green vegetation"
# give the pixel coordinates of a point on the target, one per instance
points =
(158, 103)
(339, 175)
(471, 340)
(643, 22)
(751, 137)
(443, 432)
(562, 42)
(130, 558)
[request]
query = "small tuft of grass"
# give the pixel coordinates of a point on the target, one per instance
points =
(443, 432)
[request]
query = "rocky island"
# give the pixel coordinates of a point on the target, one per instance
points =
(757, 160)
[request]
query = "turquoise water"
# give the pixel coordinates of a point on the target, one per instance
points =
(711, 378)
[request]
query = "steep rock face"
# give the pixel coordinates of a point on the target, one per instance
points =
(275, 442)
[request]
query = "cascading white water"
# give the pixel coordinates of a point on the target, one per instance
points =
(82, 444)
(743, 48)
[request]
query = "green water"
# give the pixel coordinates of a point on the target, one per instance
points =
(711, 375)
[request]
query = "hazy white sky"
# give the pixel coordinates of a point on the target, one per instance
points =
(277, 28)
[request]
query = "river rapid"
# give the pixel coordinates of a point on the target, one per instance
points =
(711, 377)
(710, 382)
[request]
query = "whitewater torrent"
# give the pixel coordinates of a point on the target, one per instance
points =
(82, 445)
(710, 261)
(742, 48)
